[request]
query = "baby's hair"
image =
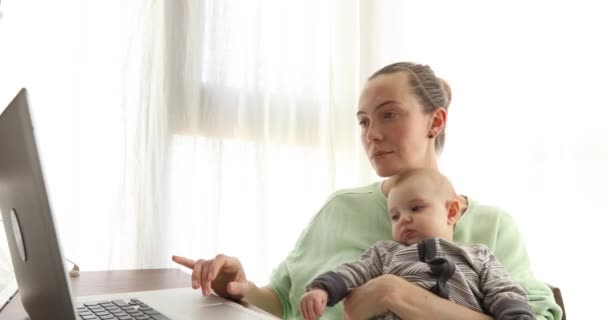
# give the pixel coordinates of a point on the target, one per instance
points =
(440, 181)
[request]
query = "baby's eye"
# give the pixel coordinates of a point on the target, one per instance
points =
(395, 216)
(417, 208)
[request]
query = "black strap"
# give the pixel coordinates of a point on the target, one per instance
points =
(441, 268)
(426, 250)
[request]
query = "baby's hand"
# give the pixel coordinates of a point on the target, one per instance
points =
(313, 304)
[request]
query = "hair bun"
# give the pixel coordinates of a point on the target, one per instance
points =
(448, 92)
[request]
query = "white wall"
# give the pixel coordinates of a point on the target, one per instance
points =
(527, 129)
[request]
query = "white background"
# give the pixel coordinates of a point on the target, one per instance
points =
(527, 125)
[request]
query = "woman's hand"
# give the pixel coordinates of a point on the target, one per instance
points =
(369, 300)
(223, 274)
(406, 300)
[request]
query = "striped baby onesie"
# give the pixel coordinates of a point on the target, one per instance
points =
(467, 275)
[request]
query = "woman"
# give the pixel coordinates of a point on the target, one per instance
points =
(403, 114)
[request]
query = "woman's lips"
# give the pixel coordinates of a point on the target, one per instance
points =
(379, 154)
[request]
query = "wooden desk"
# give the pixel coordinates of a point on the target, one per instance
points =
(102, 282)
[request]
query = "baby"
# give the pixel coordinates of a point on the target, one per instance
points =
(423, 209)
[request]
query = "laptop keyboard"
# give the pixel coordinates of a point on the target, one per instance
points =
(133, 309)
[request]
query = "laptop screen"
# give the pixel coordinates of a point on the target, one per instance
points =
(8, 283)
(9, 289)
(28, 222)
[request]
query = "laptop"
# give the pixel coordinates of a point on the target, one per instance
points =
(36, 253)
(7, 292)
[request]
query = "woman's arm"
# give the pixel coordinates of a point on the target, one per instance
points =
(406, 300)
(225, 275)
(264, 298)
(511, 251)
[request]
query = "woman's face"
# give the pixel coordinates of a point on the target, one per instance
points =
(394, 128)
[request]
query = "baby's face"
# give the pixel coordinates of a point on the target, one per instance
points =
(417, 212)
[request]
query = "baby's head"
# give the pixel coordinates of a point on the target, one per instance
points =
(422, 204)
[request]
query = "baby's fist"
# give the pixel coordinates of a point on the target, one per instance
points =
(313, 304)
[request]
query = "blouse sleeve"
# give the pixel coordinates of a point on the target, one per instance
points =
(511, 252)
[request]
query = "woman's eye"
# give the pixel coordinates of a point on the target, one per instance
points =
(389, 115)
(363, 123)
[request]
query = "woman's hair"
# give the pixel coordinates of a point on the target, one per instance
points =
(432, 92)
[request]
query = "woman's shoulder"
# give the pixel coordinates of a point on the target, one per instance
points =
(477, 210)
(366, 202)
(349, 218)
(357, 195)
(481, 223)
(366, 189)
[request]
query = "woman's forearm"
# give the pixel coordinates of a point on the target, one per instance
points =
(264, 298)
(426, 305)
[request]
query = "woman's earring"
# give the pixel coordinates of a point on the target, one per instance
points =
(430, 136)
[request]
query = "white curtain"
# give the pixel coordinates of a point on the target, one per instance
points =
(73, 58)
(189, 127)
(198, 127)
(260, 125)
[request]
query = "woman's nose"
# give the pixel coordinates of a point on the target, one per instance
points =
(373, 133)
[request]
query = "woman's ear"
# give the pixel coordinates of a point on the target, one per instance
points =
(453, 207)
(438, 120)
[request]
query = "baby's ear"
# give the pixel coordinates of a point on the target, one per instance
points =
(453, 207)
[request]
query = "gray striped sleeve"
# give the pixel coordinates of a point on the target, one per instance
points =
(503, 297)
(333, 284)
(347, 276)
(369, 266)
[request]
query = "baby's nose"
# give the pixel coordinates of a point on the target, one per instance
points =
(406, 219)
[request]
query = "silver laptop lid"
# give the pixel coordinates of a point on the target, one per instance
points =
(28, 222)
